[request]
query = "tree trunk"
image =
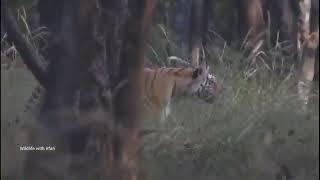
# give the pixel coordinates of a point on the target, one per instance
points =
(196, 31)
(127, 63)
(181, 25)
(205, 19)
(57, 116)
(308, 41)
(283, 15)
(251, 23)
(102, 142)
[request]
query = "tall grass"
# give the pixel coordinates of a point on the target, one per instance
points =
(254, 129)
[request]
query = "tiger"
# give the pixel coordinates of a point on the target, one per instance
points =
(162, 84)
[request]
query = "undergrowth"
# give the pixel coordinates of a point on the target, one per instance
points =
(253, 130)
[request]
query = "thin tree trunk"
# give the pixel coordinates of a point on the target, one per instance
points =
(308, 41)
(196, 31)
(205, 19)
(251, 22)
(128, 99)
(181, 25)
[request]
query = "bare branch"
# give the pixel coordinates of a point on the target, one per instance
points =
(30, 57)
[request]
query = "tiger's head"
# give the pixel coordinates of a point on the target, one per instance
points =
(208, 89)
(203, 84)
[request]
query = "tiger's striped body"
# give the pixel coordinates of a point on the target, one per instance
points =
(160, 85)
(164, 83)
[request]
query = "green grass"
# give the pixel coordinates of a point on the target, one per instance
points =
(16, 87)
(253, 128)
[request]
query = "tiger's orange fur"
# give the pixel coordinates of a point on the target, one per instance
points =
(161, 84)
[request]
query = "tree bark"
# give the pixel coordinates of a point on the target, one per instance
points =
(127, 99)
(104, 140)
(308, 42)
(251, 23)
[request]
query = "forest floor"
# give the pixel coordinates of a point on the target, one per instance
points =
(254, 130)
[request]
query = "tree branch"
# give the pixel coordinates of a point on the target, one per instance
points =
(30, 57)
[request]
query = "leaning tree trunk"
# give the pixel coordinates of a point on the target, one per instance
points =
(31, 58)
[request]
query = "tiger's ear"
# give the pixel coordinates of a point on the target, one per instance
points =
(196, 73)
(204, 65)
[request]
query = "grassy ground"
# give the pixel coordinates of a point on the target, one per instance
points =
(254, 130)
(16, 87)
